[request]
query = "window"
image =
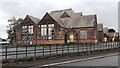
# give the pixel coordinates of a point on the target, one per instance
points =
(63, 35)
(24, 32)
(30, 32)
(51, 25)
(27, 32)
(30, 29)
(83, 34)
(43, 31)
(24, 37)
(50, 31)
(24, 27)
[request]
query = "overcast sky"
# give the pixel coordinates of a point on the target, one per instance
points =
(106, 10)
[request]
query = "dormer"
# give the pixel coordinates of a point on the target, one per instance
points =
(64, 15)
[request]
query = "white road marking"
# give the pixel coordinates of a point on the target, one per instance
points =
(65, 62)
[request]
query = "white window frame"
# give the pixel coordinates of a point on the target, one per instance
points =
(51, 31)
(43, 32)
(24, 32)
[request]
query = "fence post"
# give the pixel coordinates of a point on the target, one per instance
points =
(50, 48)
(78, 47)
(43, 50)
(68, 48)
(103, 46)
(100, 46)
(113, 45)
(94, 46)
(90, 47)
(97, 43)
(73, 48)
(26, 51)
(118, 41)
(6, 52)
(62, 48)
(86, 47)
(118, 44)
(56, 50)
(82, 47)
(16, 51)
(35, 50)
(106, 45)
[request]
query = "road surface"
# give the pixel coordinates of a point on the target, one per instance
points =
(108, 61)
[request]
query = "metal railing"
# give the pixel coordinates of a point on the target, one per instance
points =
(17, 52)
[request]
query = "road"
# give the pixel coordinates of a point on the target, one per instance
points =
(108, 61)
(62, 62)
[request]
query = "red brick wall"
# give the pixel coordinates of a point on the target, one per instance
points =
(58, 32)
(86, 41)
(58, 37)
(41, 42)
(90, 32)
(100, 36)
(50, 41)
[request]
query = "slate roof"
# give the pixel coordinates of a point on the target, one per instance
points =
(60, 12)
(57, 14)
(34, 19)
(80, 13)
(105, 29)
(79, 21)
(75, 20)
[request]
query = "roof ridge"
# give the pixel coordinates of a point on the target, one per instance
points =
(90, 15)
(34, 19)
(61, 10)
(55, 19)
(33, 16)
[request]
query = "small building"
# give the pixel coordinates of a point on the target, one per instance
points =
(100, 35)
(113, 36)
(110, 36)
(105, 31)
(27, 30)
(58, 27)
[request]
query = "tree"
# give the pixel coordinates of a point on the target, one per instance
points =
(111, 30)
(11, 28)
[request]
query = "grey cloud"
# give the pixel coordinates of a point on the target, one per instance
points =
(106, 11)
